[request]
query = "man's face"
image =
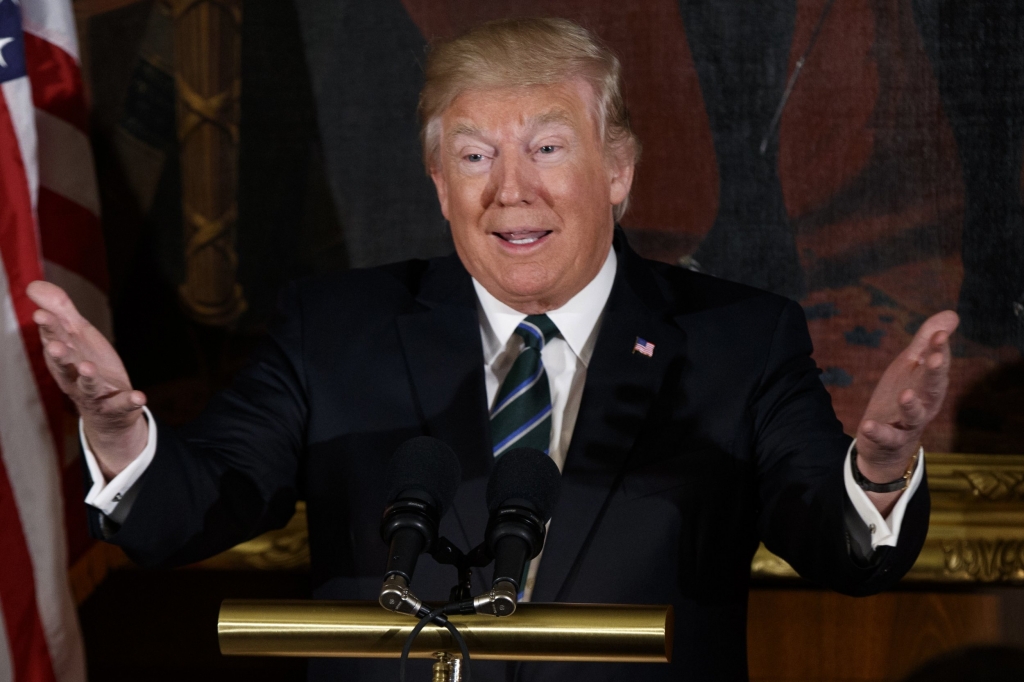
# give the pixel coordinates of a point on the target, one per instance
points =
(524, 180)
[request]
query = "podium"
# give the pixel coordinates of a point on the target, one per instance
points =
(362, 629)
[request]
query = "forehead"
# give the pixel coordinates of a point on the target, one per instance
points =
(504, 110)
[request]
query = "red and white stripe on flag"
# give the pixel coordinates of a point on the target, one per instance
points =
(49, 227)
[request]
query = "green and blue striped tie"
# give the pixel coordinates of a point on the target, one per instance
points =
(521, 416)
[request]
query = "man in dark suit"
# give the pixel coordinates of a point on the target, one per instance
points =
(685, 412)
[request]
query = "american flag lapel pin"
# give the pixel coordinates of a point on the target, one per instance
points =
(643, 347)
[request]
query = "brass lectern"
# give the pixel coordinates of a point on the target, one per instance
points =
(535, 632)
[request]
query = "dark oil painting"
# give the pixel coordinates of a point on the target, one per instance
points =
(888, 189)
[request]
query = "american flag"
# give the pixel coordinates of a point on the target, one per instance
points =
(49, 228)
(643, 347)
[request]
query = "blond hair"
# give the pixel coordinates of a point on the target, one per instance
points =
(523, 53)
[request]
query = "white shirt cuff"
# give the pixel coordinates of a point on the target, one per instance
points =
(884, 531)
(103, 495)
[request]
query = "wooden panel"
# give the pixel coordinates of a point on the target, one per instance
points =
(804, 635)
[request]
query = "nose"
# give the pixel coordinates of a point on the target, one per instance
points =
(515, 180)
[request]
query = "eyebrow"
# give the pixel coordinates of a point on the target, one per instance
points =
(554, 117)
(463, 129)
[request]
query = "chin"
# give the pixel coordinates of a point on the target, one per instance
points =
(529, 281)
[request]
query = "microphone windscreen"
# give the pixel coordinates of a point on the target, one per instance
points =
(427, 465)
(525, 474)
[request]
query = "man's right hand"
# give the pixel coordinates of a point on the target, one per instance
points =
(90, 372)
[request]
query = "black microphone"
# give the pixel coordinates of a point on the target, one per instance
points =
(521, 495)
(422, 478)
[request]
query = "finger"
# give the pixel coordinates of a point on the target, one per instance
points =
(913, 413)
(935, 378)
(60, 355)
(940, 340)
(41, 292)
(884, 436)
(97, 389)
(936, 361)
(120, 404)
(111, 404)
(49, 326)
(64, 372)
(938, 344)
(937, 368)
(87, 382)
(55, 300)
(946, 321)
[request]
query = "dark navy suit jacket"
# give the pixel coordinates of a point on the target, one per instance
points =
(679, 463)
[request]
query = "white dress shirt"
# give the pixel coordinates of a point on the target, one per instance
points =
(565, 358)
(106, 496)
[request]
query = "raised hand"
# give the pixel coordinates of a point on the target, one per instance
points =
(90, 372)
(906, 399)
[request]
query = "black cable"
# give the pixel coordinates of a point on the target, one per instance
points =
(435, 615)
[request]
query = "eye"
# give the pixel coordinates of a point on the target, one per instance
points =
(548, 149)
(473, 158)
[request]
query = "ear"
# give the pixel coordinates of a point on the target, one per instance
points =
(442, 189)
(620, 177)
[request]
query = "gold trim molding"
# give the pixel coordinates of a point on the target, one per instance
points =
(286, 549)
(976, 533)
(208, 85)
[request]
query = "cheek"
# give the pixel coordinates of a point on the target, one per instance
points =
(465, 217)
(589, 199)
(466, 196)
(572, 188)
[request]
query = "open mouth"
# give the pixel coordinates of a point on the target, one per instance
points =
(523, 237)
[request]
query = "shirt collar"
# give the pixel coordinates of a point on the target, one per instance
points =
(575, 320)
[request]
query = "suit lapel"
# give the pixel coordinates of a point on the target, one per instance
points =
(620, 390)
(441, 342)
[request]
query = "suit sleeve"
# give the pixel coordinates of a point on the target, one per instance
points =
(800, 453)
(231, 474)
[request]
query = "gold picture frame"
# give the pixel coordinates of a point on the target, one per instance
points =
(976, 533)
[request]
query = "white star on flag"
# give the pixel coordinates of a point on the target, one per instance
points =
(3, 44)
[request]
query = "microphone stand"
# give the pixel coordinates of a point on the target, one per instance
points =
(500, 600)
(447, 668)
(447, 553)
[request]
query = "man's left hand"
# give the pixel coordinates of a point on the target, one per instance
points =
(906, 399)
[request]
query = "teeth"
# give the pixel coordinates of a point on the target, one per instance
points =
(527, 240)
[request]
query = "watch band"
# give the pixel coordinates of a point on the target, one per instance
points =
(901, 483)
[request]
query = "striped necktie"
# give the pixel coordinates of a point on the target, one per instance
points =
(521, 417)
